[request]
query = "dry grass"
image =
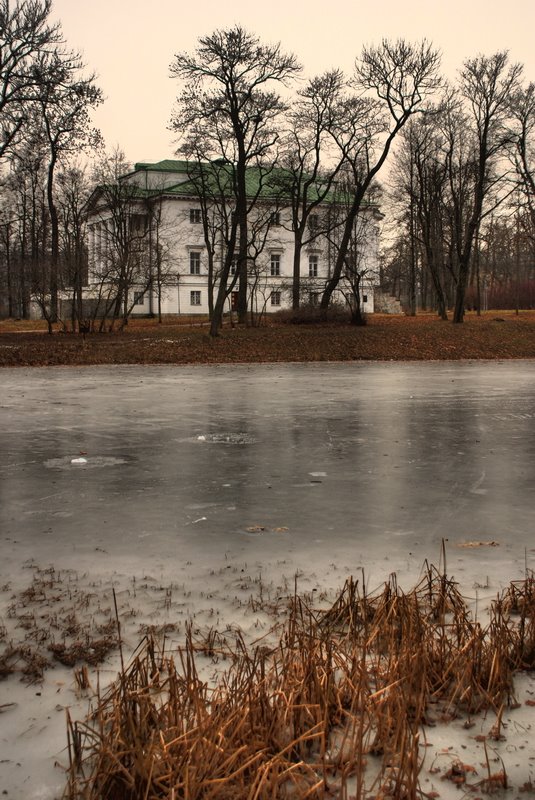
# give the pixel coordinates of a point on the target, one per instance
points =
(495, 335)
(49, 623)
(337, 705)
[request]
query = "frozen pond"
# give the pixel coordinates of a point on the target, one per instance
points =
(359, 459)
(133, 475)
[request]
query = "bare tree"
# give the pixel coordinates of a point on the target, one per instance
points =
(357, 267)
(522, 110)
(261, 230)
(310, 164)
(228, 100)
(486, 85)
(131, 242)
(454, 175)
(419, 190)
(27, 234)
(73, 189)
(360, 258)
(213, 184)
(120, 257)
(44, 104)
(162, 248)
(25, 36)
(65, 100)
(398, 78)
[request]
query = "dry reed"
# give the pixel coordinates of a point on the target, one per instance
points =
(337, 706)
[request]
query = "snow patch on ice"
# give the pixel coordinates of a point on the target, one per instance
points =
(227, 438)
(92, 462)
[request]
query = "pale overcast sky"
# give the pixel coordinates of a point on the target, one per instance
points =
(131, 43)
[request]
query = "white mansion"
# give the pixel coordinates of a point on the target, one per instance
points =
(165, 265)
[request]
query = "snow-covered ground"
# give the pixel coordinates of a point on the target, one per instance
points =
(190, 490)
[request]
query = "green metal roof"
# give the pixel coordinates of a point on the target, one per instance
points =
(167, 165)
(266, 184)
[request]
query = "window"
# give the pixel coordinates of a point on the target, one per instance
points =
(138, 298)
(313, 298)
(194, 262)
(195, 216)
(313, 266)
(275, 218)
(233, 266)
(195, 298)
(364, 298)
(138, 223)
(313, 221)
(275, 264)
(275, 298)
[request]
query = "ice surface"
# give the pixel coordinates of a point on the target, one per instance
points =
(319, 469)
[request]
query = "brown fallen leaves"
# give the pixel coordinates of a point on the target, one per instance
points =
(479, 544)
(458, 772)
(384, 338)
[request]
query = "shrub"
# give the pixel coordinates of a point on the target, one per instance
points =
(313, 315)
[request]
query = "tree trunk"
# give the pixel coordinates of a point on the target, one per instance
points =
(217, 316)
(8, 269)
(296, 279)
(458, 311)
(210, 284)
(357, 317)
(334, 280)
(54, 240)
(435, 277)
(241, 212)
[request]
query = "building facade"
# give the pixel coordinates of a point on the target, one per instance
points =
(157, 245)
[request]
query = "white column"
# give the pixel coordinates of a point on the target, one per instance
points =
(98, 246)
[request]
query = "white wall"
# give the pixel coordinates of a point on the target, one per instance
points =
(179, 237)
